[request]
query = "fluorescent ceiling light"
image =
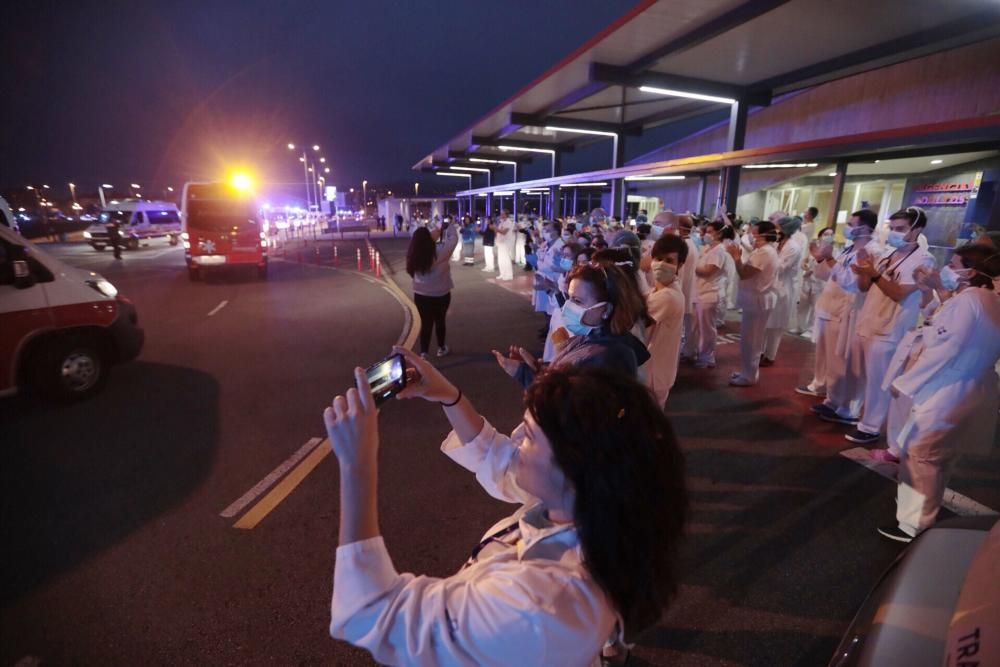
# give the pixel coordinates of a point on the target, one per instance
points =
(530, 150)
(450, 173)
(800, 165)
(582, 185)
(654, 178)
(504, 193)
(479, 159)
(681, 93)
(469, 169)
(556, 128)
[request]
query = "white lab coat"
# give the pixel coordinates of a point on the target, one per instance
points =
(505, 248)
(530, 602)
(946, 399)
(802, 241)
(756, 298)
(666, 307)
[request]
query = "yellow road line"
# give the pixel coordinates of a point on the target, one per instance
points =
(285, 487)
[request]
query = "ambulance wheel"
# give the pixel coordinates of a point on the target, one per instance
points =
(71, 368)
(99, 247)
(133, 243)
(194, 273)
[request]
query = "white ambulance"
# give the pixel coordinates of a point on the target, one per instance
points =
(61, 328)
(138, 220)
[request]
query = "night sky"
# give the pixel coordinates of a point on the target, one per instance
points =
(158, 93)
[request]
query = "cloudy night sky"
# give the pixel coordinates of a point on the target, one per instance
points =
(162, 92)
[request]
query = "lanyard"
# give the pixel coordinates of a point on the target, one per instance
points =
(495, 537)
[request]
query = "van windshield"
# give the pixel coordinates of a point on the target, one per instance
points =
(160, 217)
(220, 214)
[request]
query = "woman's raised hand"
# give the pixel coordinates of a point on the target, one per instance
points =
(427, 382)
(352, 424)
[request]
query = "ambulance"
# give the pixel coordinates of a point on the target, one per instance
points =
(138, 221)
(222, 227)
(61, 328)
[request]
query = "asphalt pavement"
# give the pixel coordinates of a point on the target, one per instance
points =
(117, 551)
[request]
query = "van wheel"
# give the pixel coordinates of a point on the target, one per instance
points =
(72, 368)
(99, 247)
(133, 243)
(194, 273)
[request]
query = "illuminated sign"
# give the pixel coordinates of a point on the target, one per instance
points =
(331, 193)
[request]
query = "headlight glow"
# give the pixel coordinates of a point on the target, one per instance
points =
(87, 235)
(104, 287)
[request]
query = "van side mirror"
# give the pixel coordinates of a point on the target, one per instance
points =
(22, 275)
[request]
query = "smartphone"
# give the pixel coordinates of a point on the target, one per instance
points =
(387, 378)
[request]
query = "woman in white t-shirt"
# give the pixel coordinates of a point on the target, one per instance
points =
(757, 297)
(710, 277)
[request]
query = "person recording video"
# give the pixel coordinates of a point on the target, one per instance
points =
(591, 551)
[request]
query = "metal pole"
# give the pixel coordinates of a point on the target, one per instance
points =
(305, 173)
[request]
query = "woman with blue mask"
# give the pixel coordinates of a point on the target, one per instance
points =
(891, 308)
(600, 309)
(943, 387)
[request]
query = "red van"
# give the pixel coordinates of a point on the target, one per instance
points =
(61, 328)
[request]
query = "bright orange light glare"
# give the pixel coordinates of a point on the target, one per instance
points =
(241, 181)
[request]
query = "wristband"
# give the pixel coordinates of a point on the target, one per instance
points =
(453, 403)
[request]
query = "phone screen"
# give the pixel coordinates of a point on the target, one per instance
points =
(386, 378)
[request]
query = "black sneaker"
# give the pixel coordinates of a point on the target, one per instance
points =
(828, 414)
(893, 532)
(861, 437)
(806, 390)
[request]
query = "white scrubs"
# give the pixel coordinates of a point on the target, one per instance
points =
(666, 307)
(711, 298)
(757, 298)
(946, 401)
(882, 323)
(505, 248)
(686, 275)
(789, 260)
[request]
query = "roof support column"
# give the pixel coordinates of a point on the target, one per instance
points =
(489, 204)
(702, 187)
(729, 186)
(576, 211)
(618, 196)
(838, 193)
(555, 199)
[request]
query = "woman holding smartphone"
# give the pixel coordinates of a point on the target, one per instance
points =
(590, 552)
(432, 283)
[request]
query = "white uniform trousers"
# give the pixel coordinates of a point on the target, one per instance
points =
(519, 248)
(772, 339)
(826, 348)
(689, 348)
(752, 341)
(705, 315)
(488, 256)
(504, 259)
(807, 313)
(876, 352)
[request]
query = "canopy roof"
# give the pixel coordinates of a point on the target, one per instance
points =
(734, 49)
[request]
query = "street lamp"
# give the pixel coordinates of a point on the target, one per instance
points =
(316, 147)
(364, 194)
(416, 189)
(305, 172)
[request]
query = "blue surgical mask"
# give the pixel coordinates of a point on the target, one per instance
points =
(565, 263)
(828, 238)
(853, 233)
(573, 318)
(896, 239)
(949, 278)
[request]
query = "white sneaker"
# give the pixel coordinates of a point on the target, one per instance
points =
(443, 351)
(740, 381)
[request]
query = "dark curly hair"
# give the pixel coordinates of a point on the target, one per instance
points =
(617, 448)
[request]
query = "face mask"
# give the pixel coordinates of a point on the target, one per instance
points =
(697, 240)
(949, 278)
(567, 236)
(655, 232)
(573, 318)
(853, 233)
(897, 239)
(565, 263)
(550, 236)
(663, 272)
(828, 238)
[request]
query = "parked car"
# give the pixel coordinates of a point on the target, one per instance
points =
(61, 328)
(937, 604)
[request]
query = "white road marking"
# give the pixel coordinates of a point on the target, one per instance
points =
(217, 308)
(264, 484)
(954, 501)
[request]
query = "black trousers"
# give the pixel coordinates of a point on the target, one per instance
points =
(433, 310)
